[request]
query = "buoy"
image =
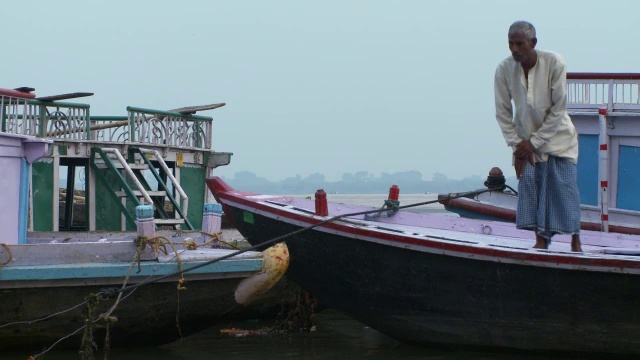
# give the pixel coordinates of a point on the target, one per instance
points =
(275, 262)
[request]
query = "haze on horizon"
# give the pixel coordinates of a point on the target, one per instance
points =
(327, 87)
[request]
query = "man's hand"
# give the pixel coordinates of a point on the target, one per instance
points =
(525, 150)
(519, 164)
(525, 153)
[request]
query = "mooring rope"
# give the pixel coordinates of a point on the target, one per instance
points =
(296, 232)
(29, 322)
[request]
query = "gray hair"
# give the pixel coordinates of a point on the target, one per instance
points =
(523, 28)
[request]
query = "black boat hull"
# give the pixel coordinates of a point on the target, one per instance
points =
(435, 298)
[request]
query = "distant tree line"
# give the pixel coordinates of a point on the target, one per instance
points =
(360, 182)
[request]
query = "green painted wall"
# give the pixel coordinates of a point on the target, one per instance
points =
(192, 180)
(107, 209)
(42, 180)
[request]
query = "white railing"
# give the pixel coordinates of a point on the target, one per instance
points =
(615, 92)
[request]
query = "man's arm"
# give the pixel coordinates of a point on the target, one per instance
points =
(558, 108)
(504, 110)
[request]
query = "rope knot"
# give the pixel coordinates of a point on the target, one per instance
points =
(190, 244)
(496, 182)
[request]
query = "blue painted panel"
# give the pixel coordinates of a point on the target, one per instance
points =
(588, 169)
(120, 270)
(628, 196)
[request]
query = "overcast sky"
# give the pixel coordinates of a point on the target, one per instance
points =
(312, 86)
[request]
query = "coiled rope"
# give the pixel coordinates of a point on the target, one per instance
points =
(498, 182)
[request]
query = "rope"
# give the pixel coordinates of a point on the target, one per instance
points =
(29, 322)
(216, 237)
(88, 346)
(159, 243)
(277, 239)
(391, 207)
(498, 182)
(8, 252)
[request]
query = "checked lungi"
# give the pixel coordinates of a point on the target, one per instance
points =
(548, 198)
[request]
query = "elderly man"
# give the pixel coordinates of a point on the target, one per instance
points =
(542, 136)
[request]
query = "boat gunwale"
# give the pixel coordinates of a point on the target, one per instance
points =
(579, 261)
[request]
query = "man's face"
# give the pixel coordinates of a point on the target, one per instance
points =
(521, 48)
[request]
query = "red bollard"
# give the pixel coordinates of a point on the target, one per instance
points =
(394, 192)
(495, 171)
(321, 203)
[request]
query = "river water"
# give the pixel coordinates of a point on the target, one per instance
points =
(336, 336)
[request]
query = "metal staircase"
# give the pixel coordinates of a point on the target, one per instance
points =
(131, 188)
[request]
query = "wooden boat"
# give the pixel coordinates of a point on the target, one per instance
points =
(58, 277)
(605, 109)
(49, 285)
(430, 279)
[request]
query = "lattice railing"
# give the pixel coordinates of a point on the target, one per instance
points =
(72, 121)
(169, 128)
(61, 120)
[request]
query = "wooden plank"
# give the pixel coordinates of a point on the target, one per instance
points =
(65, 96)
(80, 272)
(190, 110)
(73, 253)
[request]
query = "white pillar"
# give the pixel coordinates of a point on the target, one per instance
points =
(603, 170)
(144, 220)
(211, 222)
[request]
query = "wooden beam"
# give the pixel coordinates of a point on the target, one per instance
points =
(190, 110)
(65, 96)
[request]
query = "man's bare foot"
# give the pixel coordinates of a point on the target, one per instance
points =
(575, 243)
(541, 243)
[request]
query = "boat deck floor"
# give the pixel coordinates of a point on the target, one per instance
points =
(484, 233)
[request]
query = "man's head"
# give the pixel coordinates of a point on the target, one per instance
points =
(522, 42)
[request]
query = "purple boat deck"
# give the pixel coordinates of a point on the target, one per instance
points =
(481, 233)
